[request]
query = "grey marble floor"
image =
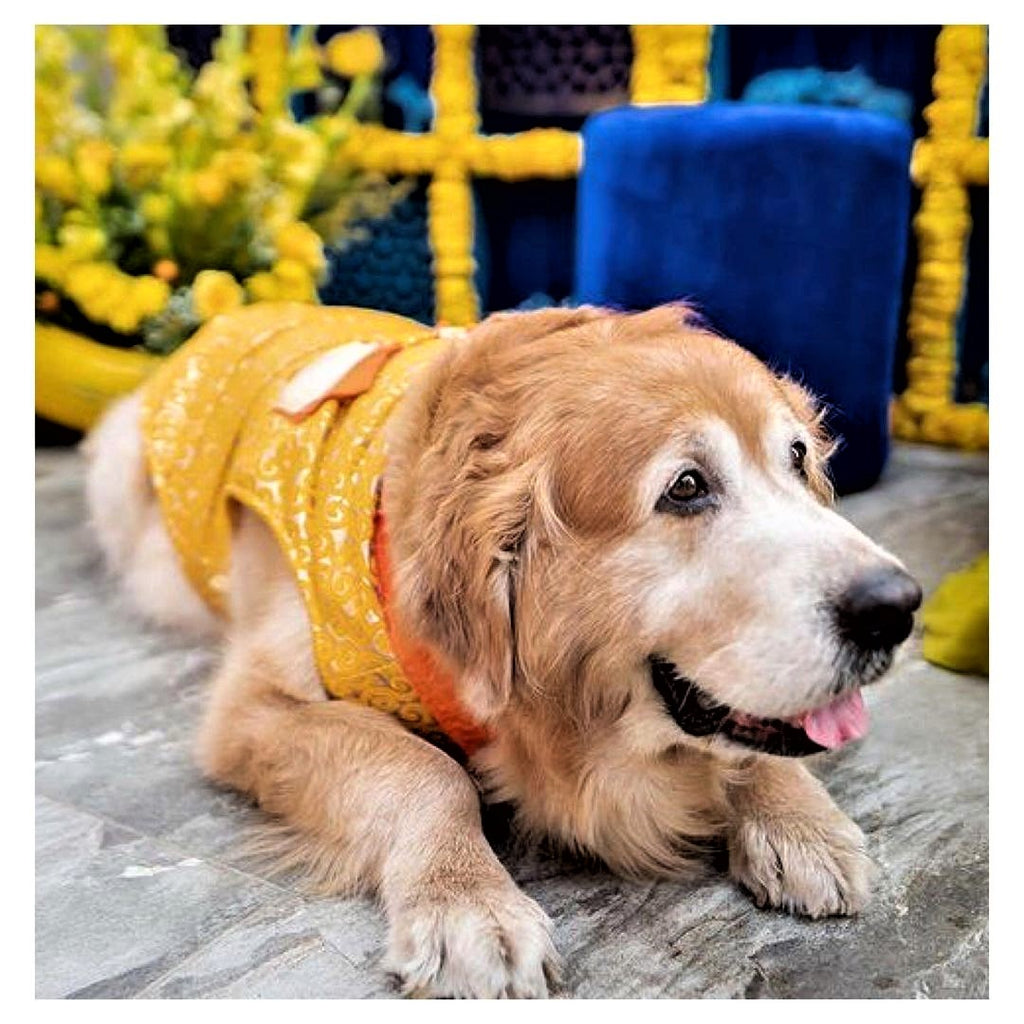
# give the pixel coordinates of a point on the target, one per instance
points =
(141, 890)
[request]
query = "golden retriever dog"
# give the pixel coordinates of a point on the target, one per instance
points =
(615, 532)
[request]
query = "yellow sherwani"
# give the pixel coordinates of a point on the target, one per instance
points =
(213, 436)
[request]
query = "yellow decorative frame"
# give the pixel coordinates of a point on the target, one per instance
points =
(945, 162)
(452, 153)
(670, 67)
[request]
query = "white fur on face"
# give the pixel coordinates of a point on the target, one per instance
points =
(739, 597)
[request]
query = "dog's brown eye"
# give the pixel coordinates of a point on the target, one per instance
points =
(797, 456)
(686, 495)
(687, 486)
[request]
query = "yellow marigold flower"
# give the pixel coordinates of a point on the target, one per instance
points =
(56, 175)
(351, 54)
(294, 281)
(150, 294)
(52, 264)
(277, 211)
(122, 38)
(93, 159)
(215, 291)
(239, 166)
(220, 94)
(124, 319)
(156, 207)
(82, 242)
(104, 294)
(79, 216)
(53, 49)
(142, 163)
(268, 47)
(300, 153)
(166, 64)
(85, 281)
(116, 307)
(298, 241)
(263, 287)
(291, 270)
(210, 186)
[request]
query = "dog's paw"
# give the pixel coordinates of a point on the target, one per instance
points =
(483, 945)
(817, 868)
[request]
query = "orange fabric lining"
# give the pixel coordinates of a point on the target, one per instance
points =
(433, 685)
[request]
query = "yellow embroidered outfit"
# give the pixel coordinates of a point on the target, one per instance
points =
(212, 435)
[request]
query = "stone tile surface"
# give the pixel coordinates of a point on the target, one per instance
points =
(116, 910)
(142, 889)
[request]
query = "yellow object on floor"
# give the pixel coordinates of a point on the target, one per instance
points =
(956, 621)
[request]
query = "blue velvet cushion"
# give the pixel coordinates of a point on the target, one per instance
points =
(786, 226)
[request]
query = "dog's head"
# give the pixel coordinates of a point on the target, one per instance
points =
(606, 520)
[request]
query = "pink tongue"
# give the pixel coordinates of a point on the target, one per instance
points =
(843, 720)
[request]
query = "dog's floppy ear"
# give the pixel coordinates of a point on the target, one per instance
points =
(460, 586)
(467, 496)
(812, 414)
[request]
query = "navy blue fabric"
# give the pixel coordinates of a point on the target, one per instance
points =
(391, 268)
(972, 348)
(898, 56)
(786, 226)
(531, 236)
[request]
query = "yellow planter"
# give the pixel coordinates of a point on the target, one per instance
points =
(76, 378)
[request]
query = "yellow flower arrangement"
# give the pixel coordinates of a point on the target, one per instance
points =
(165, 196)
(304, 61)
(82, 242)
(107, 295)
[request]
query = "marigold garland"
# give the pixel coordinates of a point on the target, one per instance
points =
(452, 154)
(944, 163)
(670, 63)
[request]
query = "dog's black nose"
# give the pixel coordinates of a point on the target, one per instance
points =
(877, 610)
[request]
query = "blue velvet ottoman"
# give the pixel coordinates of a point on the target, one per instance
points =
(785, 226)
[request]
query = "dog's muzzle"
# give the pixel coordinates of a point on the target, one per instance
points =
(699, 715)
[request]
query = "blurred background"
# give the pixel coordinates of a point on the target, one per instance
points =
(762, 173)
(819, 193)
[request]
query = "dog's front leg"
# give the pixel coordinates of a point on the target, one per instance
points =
(791, 846)
(379, 809)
